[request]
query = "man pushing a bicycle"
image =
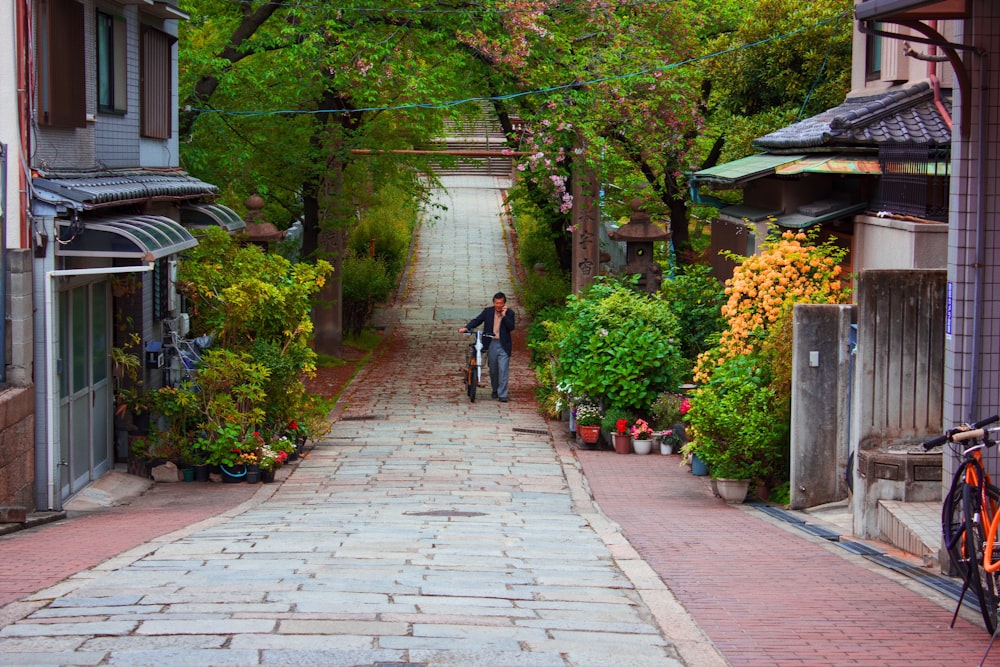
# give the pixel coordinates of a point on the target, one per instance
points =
(497, 322)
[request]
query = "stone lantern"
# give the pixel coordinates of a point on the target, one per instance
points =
(639, 234)
(258, 231)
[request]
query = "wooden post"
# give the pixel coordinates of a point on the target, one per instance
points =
(586, 217)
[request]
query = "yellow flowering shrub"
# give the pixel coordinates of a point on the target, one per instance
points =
(792, 267)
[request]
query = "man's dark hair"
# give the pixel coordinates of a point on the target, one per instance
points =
(500, 295)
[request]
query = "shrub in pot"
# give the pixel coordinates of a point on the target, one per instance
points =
(739, 424)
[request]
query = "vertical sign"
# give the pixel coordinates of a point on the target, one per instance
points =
(949, 303)
(586, 217)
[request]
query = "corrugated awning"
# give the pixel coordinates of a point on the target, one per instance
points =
(831, 164)
(738, 172)
(804, 216)
(90, 191)
(143, 237)
(200, 216)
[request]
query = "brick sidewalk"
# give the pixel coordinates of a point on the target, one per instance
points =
(767, 594)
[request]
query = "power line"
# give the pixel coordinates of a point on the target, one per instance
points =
(540, 91)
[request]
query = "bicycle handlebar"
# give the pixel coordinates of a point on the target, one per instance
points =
(962, 433)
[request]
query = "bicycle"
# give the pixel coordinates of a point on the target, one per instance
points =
(970, 519)
(473, 369)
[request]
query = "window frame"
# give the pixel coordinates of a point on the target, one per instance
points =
(112, 63)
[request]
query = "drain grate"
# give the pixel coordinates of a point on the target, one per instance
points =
(361, 418)
(444, 513)
(532, 431)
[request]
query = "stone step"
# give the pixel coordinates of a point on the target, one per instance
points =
(913, 527)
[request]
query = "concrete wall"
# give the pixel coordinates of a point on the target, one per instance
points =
(20, 318)
(884, 243)
(898, 389)
(821, 373)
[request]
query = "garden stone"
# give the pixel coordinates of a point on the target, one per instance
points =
(167, 472)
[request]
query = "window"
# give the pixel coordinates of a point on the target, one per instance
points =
(62, 91)
(873, 55)
(915, 180)
(111, 86)
(156, 90)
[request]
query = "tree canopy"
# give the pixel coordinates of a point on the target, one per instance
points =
(305, 103)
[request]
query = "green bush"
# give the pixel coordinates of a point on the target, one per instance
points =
(620, 346)
(739, 425)
(544, 290)
(546, 287)
(390, 222)
(366, 282)
(611, 416)
(695, 298)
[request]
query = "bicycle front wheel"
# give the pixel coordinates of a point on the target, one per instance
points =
(472, 380)
(956, 533)
(986, 582)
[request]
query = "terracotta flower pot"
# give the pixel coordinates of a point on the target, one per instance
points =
(589, 434)
(623, 443)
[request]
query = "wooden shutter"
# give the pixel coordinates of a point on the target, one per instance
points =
(155, 85)
(62, 90)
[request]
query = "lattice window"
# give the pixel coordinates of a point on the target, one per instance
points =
(915, 180)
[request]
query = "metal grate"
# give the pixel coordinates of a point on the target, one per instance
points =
(533, 431)
(914, 180)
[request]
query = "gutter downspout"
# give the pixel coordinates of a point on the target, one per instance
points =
(980, 265)
(932, 75)
(51, 389)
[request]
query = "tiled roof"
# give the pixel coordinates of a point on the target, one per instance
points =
(907, 115)
(117, 187)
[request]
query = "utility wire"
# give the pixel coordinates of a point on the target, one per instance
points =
(540, 91)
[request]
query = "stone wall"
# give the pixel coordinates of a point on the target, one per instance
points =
(17, 447)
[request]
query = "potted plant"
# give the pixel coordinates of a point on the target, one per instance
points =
(642, 437)
(670, 408)
(739, 424)
(671, 441)
(615, 424)
(588, 422)
(271, 458)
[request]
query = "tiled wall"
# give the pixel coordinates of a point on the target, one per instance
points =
(118, 135)
(974, 274)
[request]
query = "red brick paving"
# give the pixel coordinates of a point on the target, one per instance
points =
(34, 559)
(763, 594)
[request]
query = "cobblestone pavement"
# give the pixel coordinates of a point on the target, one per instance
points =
(423, 529)
(427, 530)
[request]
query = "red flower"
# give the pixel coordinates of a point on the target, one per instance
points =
(621, 425)
(294, 426)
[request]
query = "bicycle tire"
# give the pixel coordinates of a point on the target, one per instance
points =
(986, 582)
(471, 381)
(955, 532)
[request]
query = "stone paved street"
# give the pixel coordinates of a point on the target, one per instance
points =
(422, 529)
(427, 530)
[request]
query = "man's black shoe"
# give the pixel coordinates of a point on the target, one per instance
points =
(493, 395)
(503, 400)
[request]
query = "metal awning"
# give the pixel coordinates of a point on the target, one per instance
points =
(831, 164)
(105, 189)
(817, 212)
(200, 216)
(804, 216)
(143, 237)
(911, 10)
(736, 173)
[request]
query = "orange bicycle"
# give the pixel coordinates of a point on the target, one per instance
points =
(970, 518)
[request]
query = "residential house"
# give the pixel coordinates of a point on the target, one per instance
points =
(104, 223)
(902, 174)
